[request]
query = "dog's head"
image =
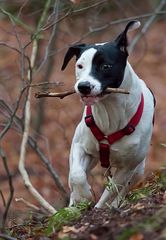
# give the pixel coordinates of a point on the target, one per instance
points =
(99, 66)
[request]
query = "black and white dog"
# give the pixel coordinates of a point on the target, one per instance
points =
(115, 128)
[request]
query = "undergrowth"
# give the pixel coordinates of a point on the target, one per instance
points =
(153, 223)
(158, 183)
(66, 216)
(52, 226)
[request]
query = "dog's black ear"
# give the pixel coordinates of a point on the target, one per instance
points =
(72, 51)
(121, 40)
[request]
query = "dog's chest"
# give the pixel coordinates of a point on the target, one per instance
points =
(122, 152)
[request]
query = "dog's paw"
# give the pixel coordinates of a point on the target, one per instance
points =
(77, 198)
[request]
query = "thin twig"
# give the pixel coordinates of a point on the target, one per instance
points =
(147, 25)
(109, 24)
(27, 203)
(15, 49)
(17, 104)
(50, 168)
(49, 63)
(22, 60)
(27, 118)
(90, 6)
(6, 237)
(33, 143)
(3, 199)
(52, 36)
(124, 20)
(22, 169)
(8, 125)
(104, 27)
(70, 92)
(70, 12)
(11, 192)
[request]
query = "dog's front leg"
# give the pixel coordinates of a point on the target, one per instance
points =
(79, 165)
(120, 184)
(135, 177)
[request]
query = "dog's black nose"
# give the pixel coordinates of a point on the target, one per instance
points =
(84, 87)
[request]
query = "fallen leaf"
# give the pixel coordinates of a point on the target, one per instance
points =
(164, 197)
(137, 236)
(67, 229)
(138, 206)
(93, 237)
(75, 1)
(62, 235)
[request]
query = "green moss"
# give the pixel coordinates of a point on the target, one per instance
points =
(138, 194)
(158, 184)
(127, 233)
(65, 216)
(161, 181)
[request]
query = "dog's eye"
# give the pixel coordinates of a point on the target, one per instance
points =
(105, 67)
(80, 66)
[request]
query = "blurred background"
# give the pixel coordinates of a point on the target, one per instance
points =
(53, 120)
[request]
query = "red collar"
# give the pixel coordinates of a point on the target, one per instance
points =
(104, 148)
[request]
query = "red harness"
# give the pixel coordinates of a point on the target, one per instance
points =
(104, 148)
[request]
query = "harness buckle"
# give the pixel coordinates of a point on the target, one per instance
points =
(89, 120)
(129, 129)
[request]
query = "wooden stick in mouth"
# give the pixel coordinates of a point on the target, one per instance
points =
(72, 91)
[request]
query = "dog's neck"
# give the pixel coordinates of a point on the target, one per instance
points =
(115, 110)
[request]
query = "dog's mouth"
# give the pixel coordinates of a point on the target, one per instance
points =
(91, 99)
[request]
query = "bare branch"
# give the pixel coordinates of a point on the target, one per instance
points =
(50, 168)
(22, 169)
(147, 24)
(22, 60)
(6, 237)
(124, 20)
(70, 12)
(3, 199)
(52, 36)
(32, 142)
(109, 24)
(27, 118)
(11, 192)
(8, 125)
(15, 49)
(70, 92)
(27, 203)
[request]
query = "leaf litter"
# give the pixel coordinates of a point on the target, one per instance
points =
(142, 215)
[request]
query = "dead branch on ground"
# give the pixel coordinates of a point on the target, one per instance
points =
(6, 237)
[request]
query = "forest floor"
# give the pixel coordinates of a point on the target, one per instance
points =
(142, 216)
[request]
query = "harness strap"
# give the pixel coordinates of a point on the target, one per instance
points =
(104, 148)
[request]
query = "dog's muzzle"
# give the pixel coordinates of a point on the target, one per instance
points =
(88, 93)
(85, 88)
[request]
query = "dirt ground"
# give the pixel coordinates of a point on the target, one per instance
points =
(142, 216)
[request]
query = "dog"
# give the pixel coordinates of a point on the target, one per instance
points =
(116, 128)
